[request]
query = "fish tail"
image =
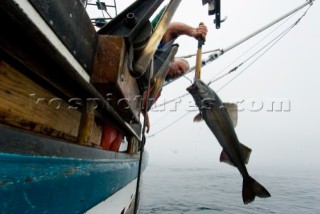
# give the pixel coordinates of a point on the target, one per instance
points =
(251, 188)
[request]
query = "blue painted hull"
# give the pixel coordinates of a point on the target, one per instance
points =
(43, 175)
(31, 184)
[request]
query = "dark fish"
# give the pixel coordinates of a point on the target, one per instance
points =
(215, 114)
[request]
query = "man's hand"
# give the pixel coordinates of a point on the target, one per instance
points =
(200, 31)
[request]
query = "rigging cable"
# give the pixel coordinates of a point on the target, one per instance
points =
(203, 52)
(272, 43)
(170, 124)
(249, 49)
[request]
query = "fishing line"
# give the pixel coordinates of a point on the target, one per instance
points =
(174, 99)
(170, 124)
(168, 102)
(187, 78)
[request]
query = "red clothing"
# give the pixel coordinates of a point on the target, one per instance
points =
(111, 138)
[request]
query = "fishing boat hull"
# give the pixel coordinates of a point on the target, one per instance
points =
(58, 126)
(58, 177)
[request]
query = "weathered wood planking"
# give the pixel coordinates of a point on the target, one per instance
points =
(24, 104)
(86, 123)
(111, 77)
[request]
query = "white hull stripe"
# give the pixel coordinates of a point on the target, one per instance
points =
(117, 203)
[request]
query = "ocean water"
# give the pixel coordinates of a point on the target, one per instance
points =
(208, 190)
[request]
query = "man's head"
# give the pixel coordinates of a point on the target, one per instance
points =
(178, 67)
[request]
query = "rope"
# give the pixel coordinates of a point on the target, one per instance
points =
(142, 143)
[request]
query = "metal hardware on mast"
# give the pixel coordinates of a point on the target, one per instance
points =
(222, 51)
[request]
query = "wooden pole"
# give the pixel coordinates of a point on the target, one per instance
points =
(199, 56)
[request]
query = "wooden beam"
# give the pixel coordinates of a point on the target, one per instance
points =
(86, 124)
(26, 105)
(111, 77)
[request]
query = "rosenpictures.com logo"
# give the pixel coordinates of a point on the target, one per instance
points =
(250, 105)
(185, 104)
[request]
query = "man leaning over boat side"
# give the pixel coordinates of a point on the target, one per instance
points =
(177, 66)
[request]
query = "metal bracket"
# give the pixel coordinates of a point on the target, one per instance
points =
(214, 8)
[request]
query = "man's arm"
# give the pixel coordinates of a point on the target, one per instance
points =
(176, 29)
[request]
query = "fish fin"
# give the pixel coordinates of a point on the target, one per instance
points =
(232, 110)
(246, 151)
(198, 118)
(225, 158)
(251, 188)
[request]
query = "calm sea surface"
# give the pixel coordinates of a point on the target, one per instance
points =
(207, 190)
